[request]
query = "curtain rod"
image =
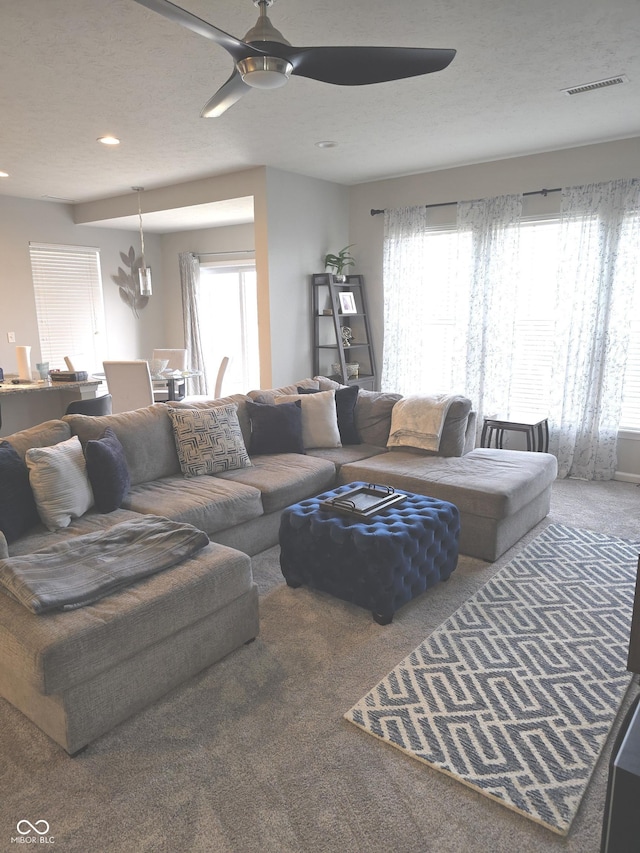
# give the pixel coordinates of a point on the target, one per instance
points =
(544, 192)
(234, 252)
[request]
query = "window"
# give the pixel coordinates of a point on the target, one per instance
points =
(445, 308)
(631, 399)
(68, 292)
(228, 314)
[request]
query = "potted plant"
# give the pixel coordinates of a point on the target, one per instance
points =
(339, 262)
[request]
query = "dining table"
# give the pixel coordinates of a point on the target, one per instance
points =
(174, 381)
(171, 380)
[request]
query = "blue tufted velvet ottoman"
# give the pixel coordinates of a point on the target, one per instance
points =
(378, 564)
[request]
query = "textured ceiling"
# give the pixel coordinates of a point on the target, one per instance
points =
(74, 70)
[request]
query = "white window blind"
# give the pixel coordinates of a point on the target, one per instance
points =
(69, 305)
(534, 292)
(631, 398)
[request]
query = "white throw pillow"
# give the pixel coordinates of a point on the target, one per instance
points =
(319, 418)
(59, 481)
(209, 441)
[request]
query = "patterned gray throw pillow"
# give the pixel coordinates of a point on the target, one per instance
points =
(208, 440)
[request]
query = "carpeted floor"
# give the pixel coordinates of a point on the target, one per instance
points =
(254, 756)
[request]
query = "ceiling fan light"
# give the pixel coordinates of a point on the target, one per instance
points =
(265, 72)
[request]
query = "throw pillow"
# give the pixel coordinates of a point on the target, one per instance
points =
(107, 470)
(346, 399)
(58, 477)
(276, 429)
(208, 441)
(319, 418)
(18, 512)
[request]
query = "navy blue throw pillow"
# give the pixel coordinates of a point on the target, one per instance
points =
(346, 399)
(275, 429)
(18, 511)
(107, 470)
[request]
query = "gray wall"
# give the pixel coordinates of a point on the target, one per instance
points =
(23, 221)
(306, 218)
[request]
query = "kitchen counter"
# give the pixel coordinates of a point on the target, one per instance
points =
(28, 404)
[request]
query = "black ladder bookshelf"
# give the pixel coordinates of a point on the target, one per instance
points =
(342, 348)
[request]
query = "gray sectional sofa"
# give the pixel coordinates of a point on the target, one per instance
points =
(78, 673)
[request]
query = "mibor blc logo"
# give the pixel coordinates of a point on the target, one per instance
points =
(32, 833)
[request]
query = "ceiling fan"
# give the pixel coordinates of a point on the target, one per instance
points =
(264, 59)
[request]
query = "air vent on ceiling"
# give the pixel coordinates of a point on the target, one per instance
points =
(597, 84)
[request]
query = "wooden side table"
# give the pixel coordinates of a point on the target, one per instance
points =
(535, 428)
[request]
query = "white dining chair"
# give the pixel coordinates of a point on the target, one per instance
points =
(221, 371)
(217, 391)
(176, 360)
(129, 383)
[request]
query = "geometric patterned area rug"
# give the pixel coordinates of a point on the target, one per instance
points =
(515, 694)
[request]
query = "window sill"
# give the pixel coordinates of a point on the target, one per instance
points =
(630, 434)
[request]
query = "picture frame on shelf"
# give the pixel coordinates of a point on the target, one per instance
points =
(347, 302)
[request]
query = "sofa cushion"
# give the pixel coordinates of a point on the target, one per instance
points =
(107, 470)
(208, 440)
(209, 503)
(487, 483)
(269, 395)
(275, 429)
(349, 453)
(454, 434)
(373, 415)
(346, 399)
(42, 435)
(92, 521)
(146, 435)
(419, 434)
(18, 511)
(61, 650)
(284, 478)
(319, 418)
(58, 477)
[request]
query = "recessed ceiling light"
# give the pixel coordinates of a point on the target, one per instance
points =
(4, 174)
(109, 140)
(327, 143)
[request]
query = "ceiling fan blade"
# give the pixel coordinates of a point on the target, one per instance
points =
(226, 96)
(238, 49)
(360, 66)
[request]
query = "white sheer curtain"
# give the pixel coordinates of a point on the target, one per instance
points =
(405, 280)
(486, 338)
(475, 289)
(597, 275)
(189, 279)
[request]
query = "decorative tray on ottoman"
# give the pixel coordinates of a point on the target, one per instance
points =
(364, 501)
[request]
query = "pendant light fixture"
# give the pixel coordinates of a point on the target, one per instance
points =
(144, 273)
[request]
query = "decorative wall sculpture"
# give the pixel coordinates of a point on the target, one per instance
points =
(128, 282)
